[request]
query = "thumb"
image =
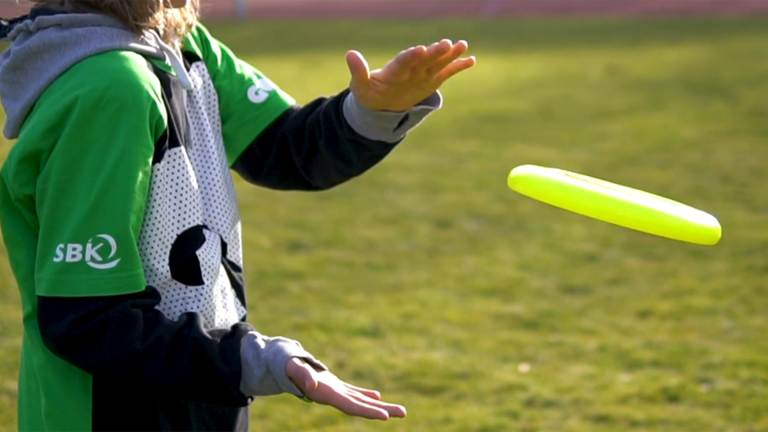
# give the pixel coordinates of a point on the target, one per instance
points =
(302, 374)
(358, 67)
(310, 381)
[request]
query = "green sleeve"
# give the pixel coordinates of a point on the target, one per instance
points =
(99, 121)
(248, 100)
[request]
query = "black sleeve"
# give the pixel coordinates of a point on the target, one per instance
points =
(310, 148)
(125, 337)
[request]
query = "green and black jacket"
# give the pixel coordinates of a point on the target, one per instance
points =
(122, 226)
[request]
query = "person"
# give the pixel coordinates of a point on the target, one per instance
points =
(120, 219)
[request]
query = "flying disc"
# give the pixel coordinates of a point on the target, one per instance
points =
(615, 204)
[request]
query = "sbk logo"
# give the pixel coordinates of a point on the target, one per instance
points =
(92, 252)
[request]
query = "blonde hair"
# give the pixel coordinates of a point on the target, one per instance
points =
(171, 23)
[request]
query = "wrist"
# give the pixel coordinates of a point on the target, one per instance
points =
(387, 126)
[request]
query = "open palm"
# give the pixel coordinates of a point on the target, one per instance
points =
(325, 388)
(409, 78)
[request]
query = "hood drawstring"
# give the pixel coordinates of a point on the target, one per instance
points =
(172, 56)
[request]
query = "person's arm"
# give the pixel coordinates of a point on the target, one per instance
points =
(273, 142)
(326, 142)
(125, 337)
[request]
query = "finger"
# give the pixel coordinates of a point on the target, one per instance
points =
(454, 68)
(439, 49)
(355, 407)
(405, 61)
(456, 51)
(393, 410)
(411, 56)
(396, 410)
(419, 53)
(373, 394)
(435, 51)
(358, 67)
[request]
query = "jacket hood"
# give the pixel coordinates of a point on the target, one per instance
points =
(45, 43)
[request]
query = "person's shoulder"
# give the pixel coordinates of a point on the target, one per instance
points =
(198, 41)
(200, 33)
(119, 74)
(111, 86)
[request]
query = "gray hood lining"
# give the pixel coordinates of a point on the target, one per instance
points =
(45, 46)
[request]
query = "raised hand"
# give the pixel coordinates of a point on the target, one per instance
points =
(409, 78)
(325, 388)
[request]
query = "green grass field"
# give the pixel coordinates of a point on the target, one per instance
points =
(482, 310)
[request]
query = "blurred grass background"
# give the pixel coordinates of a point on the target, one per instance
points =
(482, 310)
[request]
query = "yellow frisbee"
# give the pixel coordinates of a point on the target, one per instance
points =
(616, 204)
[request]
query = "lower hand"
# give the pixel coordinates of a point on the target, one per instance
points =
(325, 388)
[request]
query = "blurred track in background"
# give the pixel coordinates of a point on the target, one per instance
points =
(331, 9)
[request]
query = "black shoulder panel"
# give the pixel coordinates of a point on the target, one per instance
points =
(173, 97)
(191, 58)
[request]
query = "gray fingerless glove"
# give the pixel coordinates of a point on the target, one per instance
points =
(388, 126)
(263, 362)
